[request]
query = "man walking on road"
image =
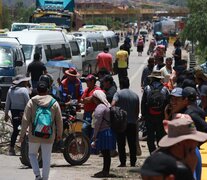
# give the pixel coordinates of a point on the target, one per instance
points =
(147, 71)
(41, 100)
(128, 101)
(153, 103)
(104, 60)
(122, 58)
(36, 69)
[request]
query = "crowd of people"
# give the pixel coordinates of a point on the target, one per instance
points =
(173, 107)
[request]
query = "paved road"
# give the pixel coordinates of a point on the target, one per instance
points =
(11, 168)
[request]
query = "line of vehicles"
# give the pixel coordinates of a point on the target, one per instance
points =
(78, 49)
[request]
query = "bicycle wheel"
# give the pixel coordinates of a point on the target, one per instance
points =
(5, 133)
(77, 149)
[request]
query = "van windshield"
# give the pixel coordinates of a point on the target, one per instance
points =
(27, 51)
(6, 57)
(81, 43)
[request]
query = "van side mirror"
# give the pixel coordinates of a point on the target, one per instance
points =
(18, 63)
(89, 50)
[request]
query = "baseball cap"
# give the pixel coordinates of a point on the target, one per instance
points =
(159, 164)
(177, 92)
(190, 93)
(179, 130)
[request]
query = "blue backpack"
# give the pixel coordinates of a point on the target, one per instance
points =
(42, 125)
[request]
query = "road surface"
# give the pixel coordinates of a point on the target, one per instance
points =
(12, 169)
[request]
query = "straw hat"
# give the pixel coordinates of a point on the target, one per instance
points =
(179, 130)
(72, 72)
(20, 78)
(156, 74)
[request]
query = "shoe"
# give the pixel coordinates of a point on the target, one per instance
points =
(38, 177)
(101, 174)
(133, 165)
(12, 152)
(114, 153)
(122, 165)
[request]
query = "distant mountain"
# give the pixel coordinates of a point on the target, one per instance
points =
(28, 3)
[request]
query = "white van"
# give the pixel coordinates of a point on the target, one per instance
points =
(77, 59)
(111, 41)
(52, 45)
(22, 26)
(12, 63)
(91, 44)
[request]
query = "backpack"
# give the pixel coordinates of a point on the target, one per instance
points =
(140, 43)
(156, 101)
(118, 119)
(42, 125)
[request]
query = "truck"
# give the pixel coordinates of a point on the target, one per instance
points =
(166, 27)
(60, 12)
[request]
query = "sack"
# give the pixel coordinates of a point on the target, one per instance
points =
(118, 119)
(156, 101)
(115, 67)
(42, 125)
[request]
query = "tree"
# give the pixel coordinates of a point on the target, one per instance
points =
(16, 13)
(196, 25)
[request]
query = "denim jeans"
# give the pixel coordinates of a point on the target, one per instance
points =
(86, 128)
(46, 156)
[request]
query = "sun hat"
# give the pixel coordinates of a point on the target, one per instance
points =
(179, 130)
(20, 78)
(156, 74)
(159, 164)
(177, 92)
(72, 72)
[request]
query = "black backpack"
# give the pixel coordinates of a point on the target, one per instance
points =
(156, 101)
(118, 119)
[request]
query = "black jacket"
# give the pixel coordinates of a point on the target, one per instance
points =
(198, 116)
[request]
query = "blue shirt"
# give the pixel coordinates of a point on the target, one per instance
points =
(72, 90)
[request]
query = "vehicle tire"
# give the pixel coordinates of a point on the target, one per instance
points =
(77, 149)
(24, 158)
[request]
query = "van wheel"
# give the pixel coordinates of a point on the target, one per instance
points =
(89, 69)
